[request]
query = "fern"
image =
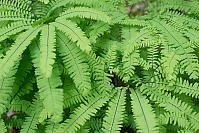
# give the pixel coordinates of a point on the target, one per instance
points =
(99, 66)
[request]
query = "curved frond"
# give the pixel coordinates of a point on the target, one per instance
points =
(191, 89)
(74, 33)
(23, 40)
(11, 29)
(85, 12)
(115, 113)
(81, 114)
(144, 116)
(14, 15)
(47, 51)
(74, 61)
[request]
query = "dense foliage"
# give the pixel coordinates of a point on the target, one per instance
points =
(99, 66)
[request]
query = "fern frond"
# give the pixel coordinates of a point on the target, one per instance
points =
(129, 63)
(6, 86)
(172, 118)
(99, 74)
(30, 124)
(97, 29)
(143, 113)
(85, 12)
(74, 61)
(14, 15)
(185, 131)
(133, 43)
(81, 114)
(185, 87)
(15, 6)
(2, 126)
(188, 60)
(171, 104)
(74, 33)
(49, 91)
(47, 51)
(169, 64)
(23, 40)
(114, 116)
(11, 29)
(71, 94)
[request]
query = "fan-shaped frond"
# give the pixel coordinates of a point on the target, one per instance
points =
(23, 40)
(115, 113)
(81, 114)
(74, 33)
(85, 12)
(75, 62)
(143, 113)
(47, 51)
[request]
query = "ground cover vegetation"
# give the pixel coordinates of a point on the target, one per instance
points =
(99, 66)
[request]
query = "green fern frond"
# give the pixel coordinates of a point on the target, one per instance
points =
(71, 94)
(188, 60)
(171, 104)
(49, 91)
(175, 119)
(96, 30)
(129, 63)
(23, 40)
(12, 29)
(81, 114)
(84, 12)
(30, 124)
(143, 113)
(74, 62)
(169, 64)
(47, 51)
(185, 131)
(133, 43)
(2, 126)
(186, 88)
(114, 116)
(20, 6)
(14, 15)
(6, 86)
(74, 33)
(99, 73)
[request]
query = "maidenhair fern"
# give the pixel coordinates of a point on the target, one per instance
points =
(103, 66)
